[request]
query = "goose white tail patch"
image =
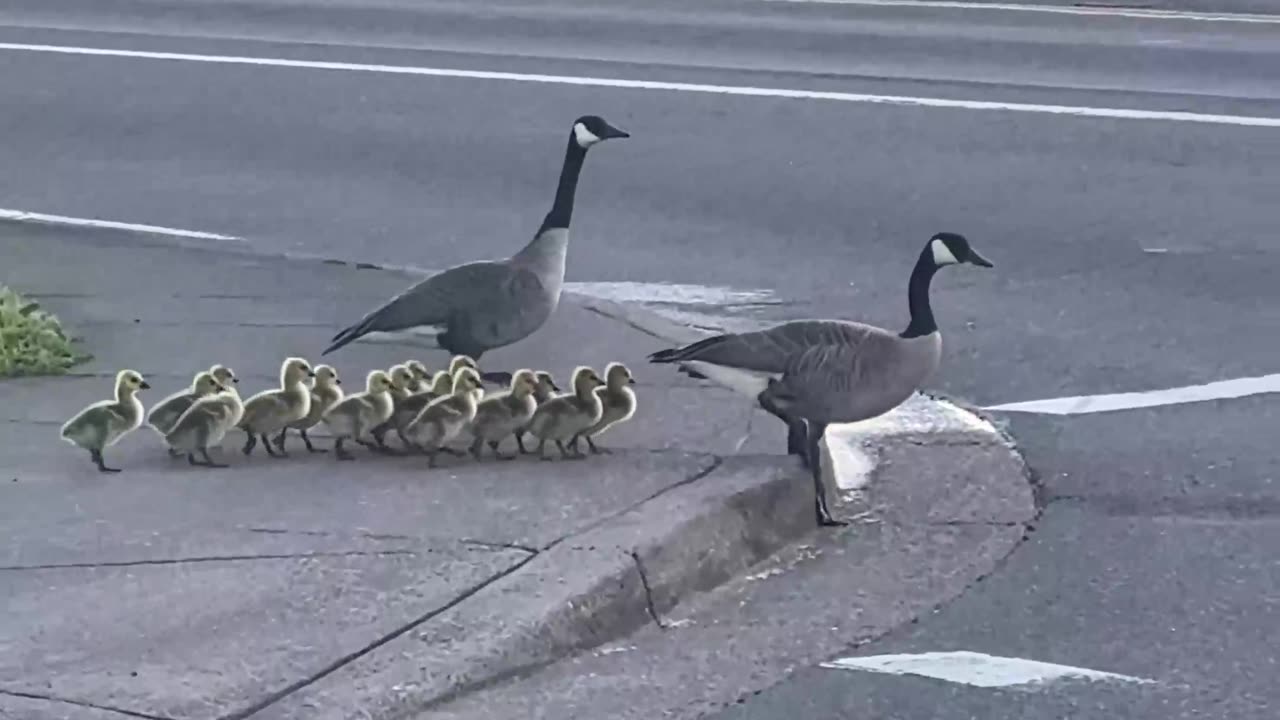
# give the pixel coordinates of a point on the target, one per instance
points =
(978, 669)
(942, 254)
(427, 336)
(583, 136)
(743, 381)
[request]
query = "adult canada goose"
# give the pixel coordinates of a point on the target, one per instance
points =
(811, 373)
(476, 307)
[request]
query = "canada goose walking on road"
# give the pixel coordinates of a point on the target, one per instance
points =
(476, 307)
(811, 373)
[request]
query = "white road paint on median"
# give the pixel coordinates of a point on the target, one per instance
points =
(852, 447)
(1085, 404)
(1097, 10)
(978, 669)
(24, 216)
(733, 90)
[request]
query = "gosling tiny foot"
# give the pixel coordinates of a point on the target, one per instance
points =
(96, 455)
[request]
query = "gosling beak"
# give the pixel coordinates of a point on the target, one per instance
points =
(311, 373)
(631, 381)
(145, 385)
(235, 380)
(336, 381)
(613, 132)
(978, 260)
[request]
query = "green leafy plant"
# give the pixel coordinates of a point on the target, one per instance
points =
(31, 340)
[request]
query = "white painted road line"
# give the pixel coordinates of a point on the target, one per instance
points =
(24, 216)
(900, 100)
(1095, 11)
(977, 669)
(1084, 404)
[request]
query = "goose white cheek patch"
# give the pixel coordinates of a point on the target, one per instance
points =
(585, 137)
(942, 254)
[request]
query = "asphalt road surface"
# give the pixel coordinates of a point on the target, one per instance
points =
(1124, 182)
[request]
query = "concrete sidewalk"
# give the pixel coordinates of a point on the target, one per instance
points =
(307, 588)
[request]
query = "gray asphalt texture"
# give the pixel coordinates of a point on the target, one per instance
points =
(1155, 554)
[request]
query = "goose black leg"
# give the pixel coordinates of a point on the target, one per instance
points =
(595, 450)
(520, 443)
(96, 455)
(797, 444)
(208, 461)
(279, 441)
(815, 432)
(307, 441)
(266, 444)
(493, 445)
(249, 442)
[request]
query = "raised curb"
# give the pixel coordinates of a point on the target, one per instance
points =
(640, 564)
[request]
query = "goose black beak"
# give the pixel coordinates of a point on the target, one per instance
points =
(631, 381)
(613, 132)
(235, 380)
(978, 260)
(311, 373)
(145, 385)
(337, 382)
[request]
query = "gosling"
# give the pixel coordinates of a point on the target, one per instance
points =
(618, 403)
(564, 416)
(406, 410)
(204, 425)
(402, 380)
(165, 413)
(271, 410)
(421, 376)
(326, 393)
(357, 415)
(502, 414)
(443, 419)
(547, 389)
(102, 424)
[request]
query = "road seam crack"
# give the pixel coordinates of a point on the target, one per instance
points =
(210, 558)
(648, 591)
(81, 703)
(345, 660)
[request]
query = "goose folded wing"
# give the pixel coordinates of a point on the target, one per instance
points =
(836, 379)
(771, 350)
(438, 299)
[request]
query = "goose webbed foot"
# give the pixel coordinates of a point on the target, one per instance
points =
(101, 464)
(307, 441)
(520, 443)
(266, 444)
(493, 445)
(339, 452)
(249, 442)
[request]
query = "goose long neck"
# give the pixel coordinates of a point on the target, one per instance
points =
(922, 322)
(562, 207)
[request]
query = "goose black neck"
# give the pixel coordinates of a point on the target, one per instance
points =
(562, 208)
(922, 322)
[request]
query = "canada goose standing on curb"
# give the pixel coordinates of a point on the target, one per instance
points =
(476, 307)
(103, 423)
(812, 373)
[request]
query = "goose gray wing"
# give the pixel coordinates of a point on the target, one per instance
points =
(774, 349)
(482, 299)
(847, 383)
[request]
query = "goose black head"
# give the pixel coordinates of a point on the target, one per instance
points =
(948, 248)
(591, 129)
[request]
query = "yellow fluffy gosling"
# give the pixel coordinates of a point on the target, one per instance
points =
(402, 380)
(498, 416)
(326, 393)
(444, 418)
(102, 424)
(225, 376)
(564, 416)
(271, 410)
(547, 389)
(618, 404)
(204, 425)
(421, 376)
(165, 413)
(355, 416)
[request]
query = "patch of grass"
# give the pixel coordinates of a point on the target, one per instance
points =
(31, 340)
